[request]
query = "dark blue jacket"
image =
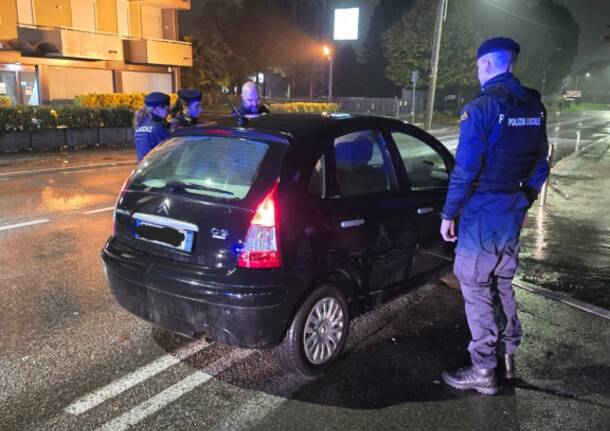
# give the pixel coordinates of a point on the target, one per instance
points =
(148, 134)
(501, 161)
(242, 111)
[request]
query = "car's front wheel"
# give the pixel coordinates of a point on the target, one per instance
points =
(317, 334)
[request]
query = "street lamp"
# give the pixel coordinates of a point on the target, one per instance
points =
(441, 17)
(328, 53)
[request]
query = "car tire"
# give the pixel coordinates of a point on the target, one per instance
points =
(317, 334)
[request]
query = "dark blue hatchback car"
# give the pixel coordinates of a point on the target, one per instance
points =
(276, 233)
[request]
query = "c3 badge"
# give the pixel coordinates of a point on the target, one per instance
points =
(464, 116)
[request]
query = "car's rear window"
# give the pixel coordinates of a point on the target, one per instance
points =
(222, 167)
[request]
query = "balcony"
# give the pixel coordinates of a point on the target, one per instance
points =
(158, 51)
(69, 43)
(168, 4)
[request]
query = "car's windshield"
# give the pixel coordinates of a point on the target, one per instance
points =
(221, 167)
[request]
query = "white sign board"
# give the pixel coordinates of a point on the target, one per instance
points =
(2, 88)
(346, 23)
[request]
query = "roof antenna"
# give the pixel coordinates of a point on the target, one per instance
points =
(242, 120)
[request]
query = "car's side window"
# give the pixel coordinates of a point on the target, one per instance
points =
(424, 165)
(317, 181)
(363, 166)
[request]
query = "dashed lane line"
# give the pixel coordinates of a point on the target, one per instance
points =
(46, 220)
(71, 169)
(173, 393)
(100, 210)
(130, 380)
(24, 224)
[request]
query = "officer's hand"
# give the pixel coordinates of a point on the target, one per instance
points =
(448, 230)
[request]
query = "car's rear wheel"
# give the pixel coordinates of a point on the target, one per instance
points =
(317, 334)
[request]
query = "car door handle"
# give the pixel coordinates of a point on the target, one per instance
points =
(352, 223)
(426, 210)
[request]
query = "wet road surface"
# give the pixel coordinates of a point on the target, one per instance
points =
(72, 359)
(569, 133)
(566, 244)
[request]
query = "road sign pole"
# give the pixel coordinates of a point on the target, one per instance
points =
(414, 78)
(545, 186)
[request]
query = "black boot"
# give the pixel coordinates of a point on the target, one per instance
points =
(481, 380)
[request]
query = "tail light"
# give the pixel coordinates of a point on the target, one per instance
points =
(261, 246)
(118, 201)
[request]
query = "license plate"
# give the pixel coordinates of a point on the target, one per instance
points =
(169, 236)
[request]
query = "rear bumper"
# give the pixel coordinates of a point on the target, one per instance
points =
(253, 315)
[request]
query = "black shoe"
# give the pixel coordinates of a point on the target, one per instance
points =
(481, 380)
(506, 366)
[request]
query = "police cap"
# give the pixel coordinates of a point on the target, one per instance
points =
(189, 95)
(156, 99)
(498, 44)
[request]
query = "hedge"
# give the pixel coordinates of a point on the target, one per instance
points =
(304, 107)
(27, 118)
(112, 100)
(5, 100)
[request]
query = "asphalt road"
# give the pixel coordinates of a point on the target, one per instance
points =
(72, 359)
(568, 132)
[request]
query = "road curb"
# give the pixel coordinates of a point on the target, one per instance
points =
(64, 169)
(580, 152)
(565, 299)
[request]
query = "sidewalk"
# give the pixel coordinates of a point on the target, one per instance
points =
(391, 380)
(566, 244)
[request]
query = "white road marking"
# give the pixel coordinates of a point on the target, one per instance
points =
(283, 388)
(119, 386)
(255, 409)
(101, 210)
(568, 142)
(24, 224)
(171, 394)
(67, 169)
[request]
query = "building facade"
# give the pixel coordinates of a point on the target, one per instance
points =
(53, 50)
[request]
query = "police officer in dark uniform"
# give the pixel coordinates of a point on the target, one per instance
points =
(187, 109)
(501, 165)
(251, 102)
(150, 125)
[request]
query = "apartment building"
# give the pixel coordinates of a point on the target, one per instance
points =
(53, 50)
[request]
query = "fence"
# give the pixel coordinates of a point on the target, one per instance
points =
(392, 107)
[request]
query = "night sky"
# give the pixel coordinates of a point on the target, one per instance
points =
(593, 16)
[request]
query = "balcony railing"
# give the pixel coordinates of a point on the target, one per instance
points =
(65, 42)
(168, 4)
(158, 51)
(71, 43)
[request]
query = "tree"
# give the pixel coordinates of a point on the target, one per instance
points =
(215, 62)
(235, 40)
(551, 46)
(384, 16)
(547, 32)
(282, 36)
(408, 44)
(348, 80)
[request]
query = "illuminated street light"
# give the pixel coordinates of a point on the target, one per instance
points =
(588, 75)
